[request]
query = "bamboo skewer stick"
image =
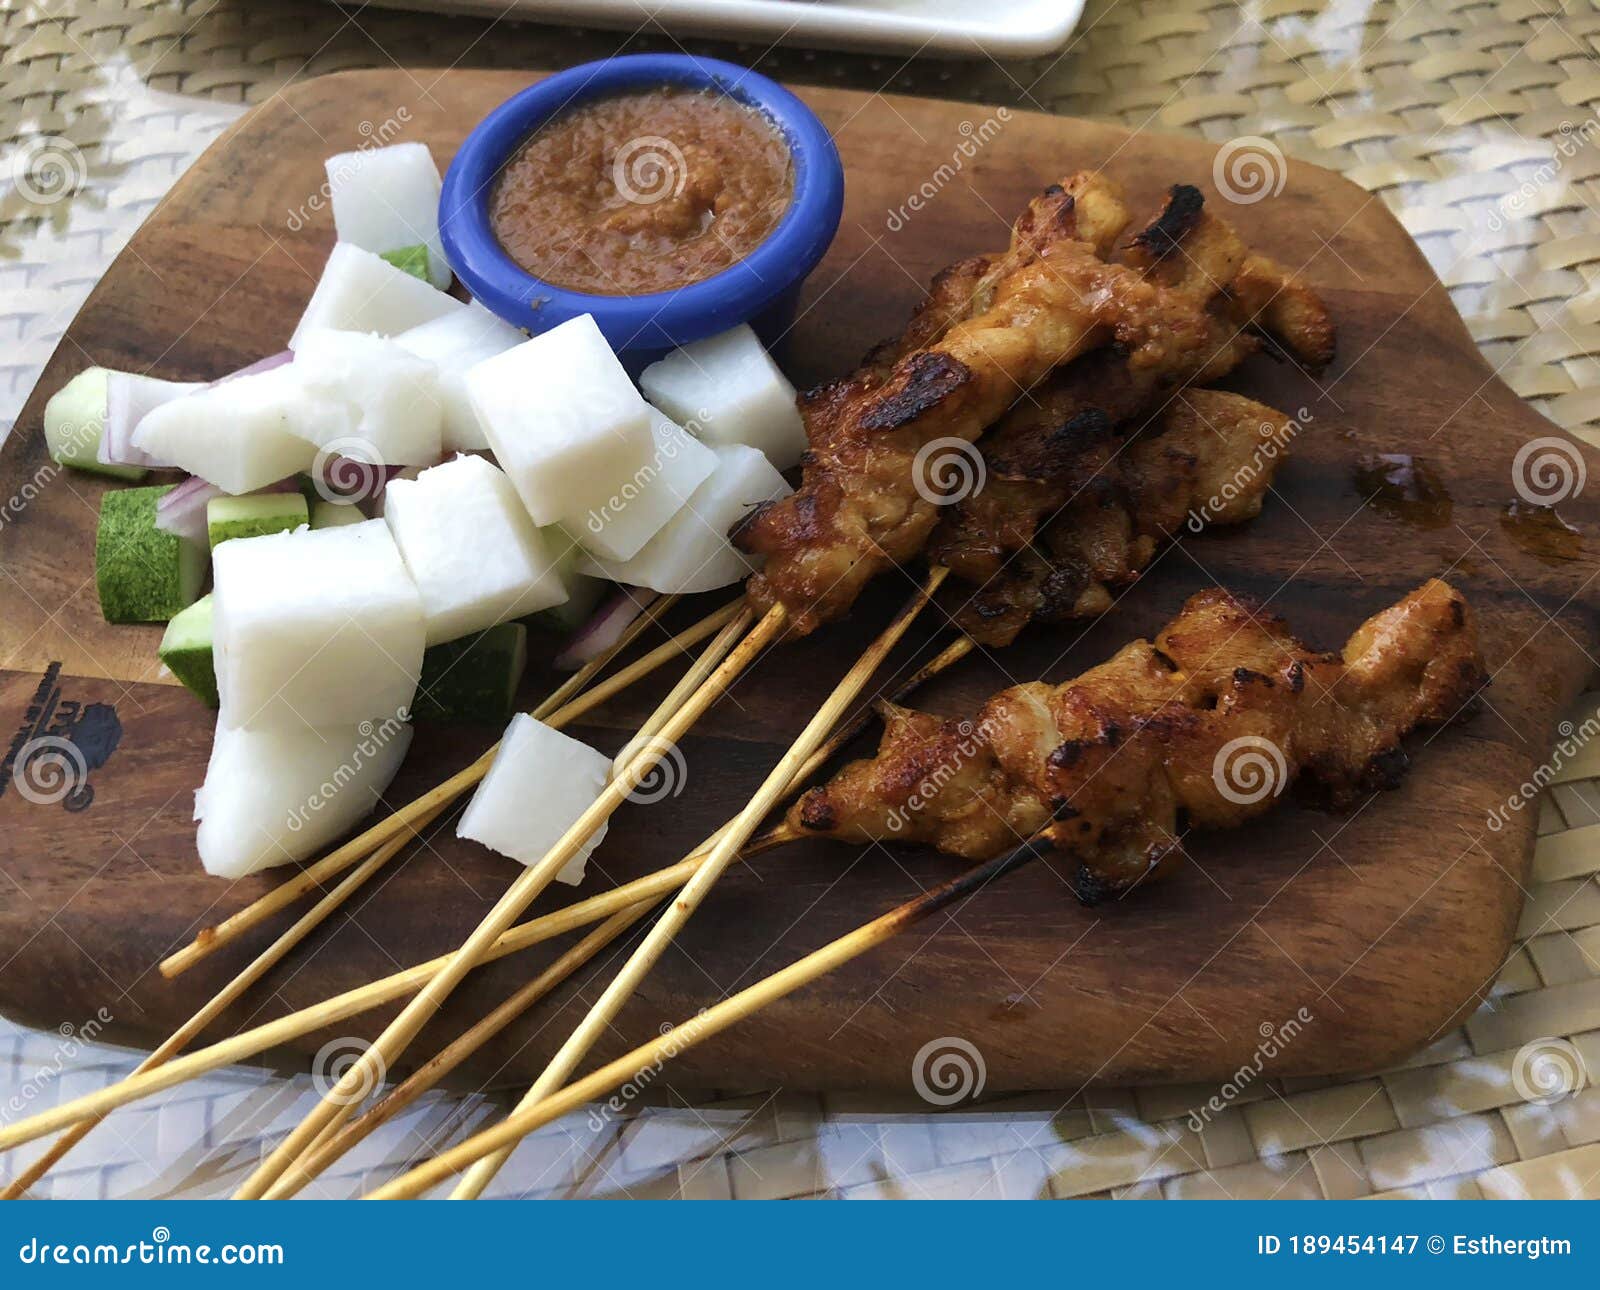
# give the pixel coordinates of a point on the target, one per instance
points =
(367, 1070)
(637, 746)
(678, 913)
(332, 1146)
(352, 1003)
(648, 732)
(314, 876)
(340, 1007)
(219, 1002)
(699, 1028)
(555, 706)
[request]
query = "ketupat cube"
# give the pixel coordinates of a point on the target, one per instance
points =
(252, 516)
(186, 650)
(679, 463)
(456, 344)
(272, 797)
(315, 628)
(476, 557)
(239, 434)
(564, 421)
(386, 200)
(361, 291)
(727, 390)
(474, 678)
(692, 553)
(383, 402)
(540, 782)
(144, 574)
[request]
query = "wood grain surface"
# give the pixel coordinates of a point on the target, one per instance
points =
(1383, 925)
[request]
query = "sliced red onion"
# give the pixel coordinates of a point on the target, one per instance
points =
(260, 365)
(605, 629)
(183, 509)
(128, 398)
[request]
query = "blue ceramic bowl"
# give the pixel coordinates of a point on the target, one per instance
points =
(761, 289)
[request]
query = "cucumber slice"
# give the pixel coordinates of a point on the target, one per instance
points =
(186, 649)
(333, 515)
(74, 421)
(474, 678)
(244, 517)
(409, 259)
(144, 575)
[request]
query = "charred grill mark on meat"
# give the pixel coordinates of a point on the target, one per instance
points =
(1209, 458)
(858, 509)
(1110, 767)
(999, 538)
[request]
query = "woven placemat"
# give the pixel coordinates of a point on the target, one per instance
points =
(1474, 120)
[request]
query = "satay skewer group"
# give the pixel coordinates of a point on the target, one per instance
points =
(1055, 357)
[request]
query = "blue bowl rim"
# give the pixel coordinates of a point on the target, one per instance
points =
(727, 298)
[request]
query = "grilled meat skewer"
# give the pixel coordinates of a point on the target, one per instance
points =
(859, 508)
(1205, 726)
(1208, 459)
(1032, 473)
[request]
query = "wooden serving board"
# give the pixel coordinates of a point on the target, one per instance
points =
(1384, 925)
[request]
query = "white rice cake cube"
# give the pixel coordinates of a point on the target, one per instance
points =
(563, 420)
(388, 405)
(386, 199)
(315, 628)
(692, 553)
(476, 557)
(240, 434)
(726, 389)
(274, 797)
(540, 782)
(360, 291)
(679, 463)
(455, 344)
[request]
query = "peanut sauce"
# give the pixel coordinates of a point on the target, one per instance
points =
(643, 192)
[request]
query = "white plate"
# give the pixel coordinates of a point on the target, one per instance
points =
(999, 28)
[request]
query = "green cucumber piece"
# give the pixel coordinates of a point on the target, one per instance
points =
(409, 259)
(75, 420)
(254, 515)
(332, 515)
(186, 650)
(144, 575)
(474, 678)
